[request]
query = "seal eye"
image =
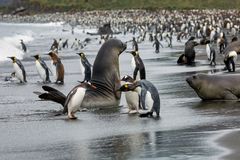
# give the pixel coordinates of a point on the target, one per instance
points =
(194, 77)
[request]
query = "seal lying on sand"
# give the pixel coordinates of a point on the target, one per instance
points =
(106, 78)
(216, 87)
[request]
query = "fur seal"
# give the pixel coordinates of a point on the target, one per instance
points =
(105, 76)
(215, 87)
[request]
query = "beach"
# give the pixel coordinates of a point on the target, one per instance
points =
(185, 130)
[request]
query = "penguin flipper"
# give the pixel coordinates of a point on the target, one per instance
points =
(143, 97)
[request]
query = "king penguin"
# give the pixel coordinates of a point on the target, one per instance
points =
(19, 69)
(75, 98)
(138, 66)
(58, 67)
(149, 97)
(132, 97)
(85, 67)
(42, 69)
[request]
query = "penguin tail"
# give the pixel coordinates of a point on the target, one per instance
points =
(52, 94)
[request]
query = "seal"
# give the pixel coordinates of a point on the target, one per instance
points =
(105, 77)
(216, 87)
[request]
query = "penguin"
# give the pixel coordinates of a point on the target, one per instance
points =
(230, 58)
(85, 67)
(132, 98)
(75, 44)
(134, 44)
(19, 69)
(74, 99)
(42, 69)
(54, 46)
(148, 94)
(24, 48)
(157, 44)
(58, 67)
(60, 44)
(65, 44)
(138, 66)
(211, 53)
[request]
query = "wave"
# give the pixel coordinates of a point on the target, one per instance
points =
(10, 46)
(35, 24)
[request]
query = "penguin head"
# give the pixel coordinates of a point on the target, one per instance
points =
(81, 54)
(88, 85)
(53, 55)
(36, 57)
(134, 53)
(14, 59)
(127, 78)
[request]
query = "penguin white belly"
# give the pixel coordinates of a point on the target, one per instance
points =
(208, 50)
(76, 100)
(41, 71)
(132, 99)
(133, 64)
(53, 67)
(82, 68)
(18, 72)
(149, 101)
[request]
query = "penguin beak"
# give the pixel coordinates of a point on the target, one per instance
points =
(12, 58)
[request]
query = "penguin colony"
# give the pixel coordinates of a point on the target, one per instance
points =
(213, 29)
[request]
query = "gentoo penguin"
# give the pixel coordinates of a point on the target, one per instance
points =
(42, 69)
(148, 94)
(19, 69)
(138, 66)
(132, 98)
(85, 67)
(58, 67)
(75, 98)
(24, 48)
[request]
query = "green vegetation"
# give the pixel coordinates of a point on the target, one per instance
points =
(77, 5)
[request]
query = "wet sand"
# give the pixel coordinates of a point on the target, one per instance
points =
(231, 142)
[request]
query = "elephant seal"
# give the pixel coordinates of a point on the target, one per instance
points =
(105, 77)
(216, 87)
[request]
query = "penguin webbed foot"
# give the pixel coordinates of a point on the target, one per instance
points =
(59, 82)
(148, 114)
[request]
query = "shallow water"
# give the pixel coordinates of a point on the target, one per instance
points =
(29, 129)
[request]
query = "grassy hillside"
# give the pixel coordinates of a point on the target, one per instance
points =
(76, 5)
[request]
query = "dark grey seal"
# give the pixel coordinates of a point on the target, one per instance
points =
(216, 87)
